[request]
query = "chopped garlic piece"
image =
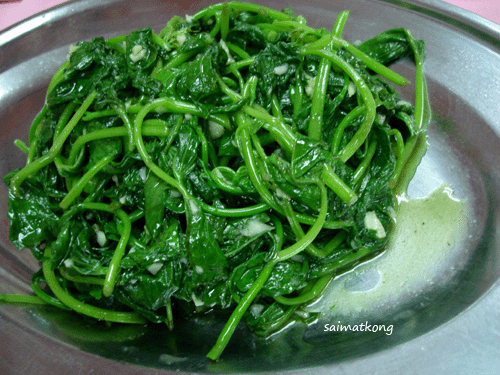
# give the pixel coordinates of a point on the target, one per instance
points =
(101, 238)
(216, 130)
(372, 222)
(310, 86)
(351, 90)
(280, 70)
(181, 38)
(197, 302)
(193, 207)
(255, 228)
(143, 174)
(155, 268)
(68, 263)
(256, 309)
(138, 53)
(198, 270)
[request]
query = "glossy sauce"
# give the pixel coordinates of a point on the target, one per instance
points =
(420, 255)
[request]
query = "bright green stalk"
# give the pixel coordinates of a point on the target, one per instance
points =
(129, 140)
(81, 307)
(321, 84)
(311, 234)
(33, 134)
(239, 311)
(114, 266)
(368, 100)
(346, 121)
(22, 146)
(338, 186)
(248, 7)
(77, 188)
(20, 299)
(314, 292)
(49, 157)
(365, 163)
(224, 21)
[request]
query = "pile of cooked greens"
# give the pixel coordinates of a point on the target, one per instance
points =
(238, 160)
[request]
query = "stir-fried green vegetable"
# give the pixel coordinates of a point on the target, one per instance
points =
(239, 160)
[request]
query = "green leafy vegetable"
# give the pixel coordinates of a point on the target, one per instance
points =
(238, 160)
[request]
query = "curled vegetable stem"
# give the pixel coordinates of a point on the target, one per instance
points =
(81, 307)
(166, 105)
(338, 186)
(319, 95)
(239, 311)
(129, 141)
(49, 157)
(282, 255)
(311, 234)
(77, 189)
(368, 100)
(311, 294)
(114, 265)
(33, 134)
(156, 128)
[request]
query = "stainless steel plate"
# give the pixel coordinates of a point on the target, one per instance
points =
(449, 326)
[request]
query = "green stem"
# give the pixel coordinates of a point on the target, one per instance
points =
(81, 279)
(235, 212)
(150, 128)
(81, 307)
(318, 100)
(45, 160)
(239, 51)
(129, 141)
(338, 186)
(368, 100)
(311, 234)
(166, 105)
(297, 229)
(170, 315)
(247, 7)
(251, 163)
(347, 260)
(77, 188)
(239, 311)
(114, 266)
(413, 153)
(58, 76)
(317, 289)
(22, 146)
(321, 84)
(340, 23)
(334, 243)
(360, 171)
(20, 299)
(346, 121)
(34, 132)
(371, 63)
(224, 21)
